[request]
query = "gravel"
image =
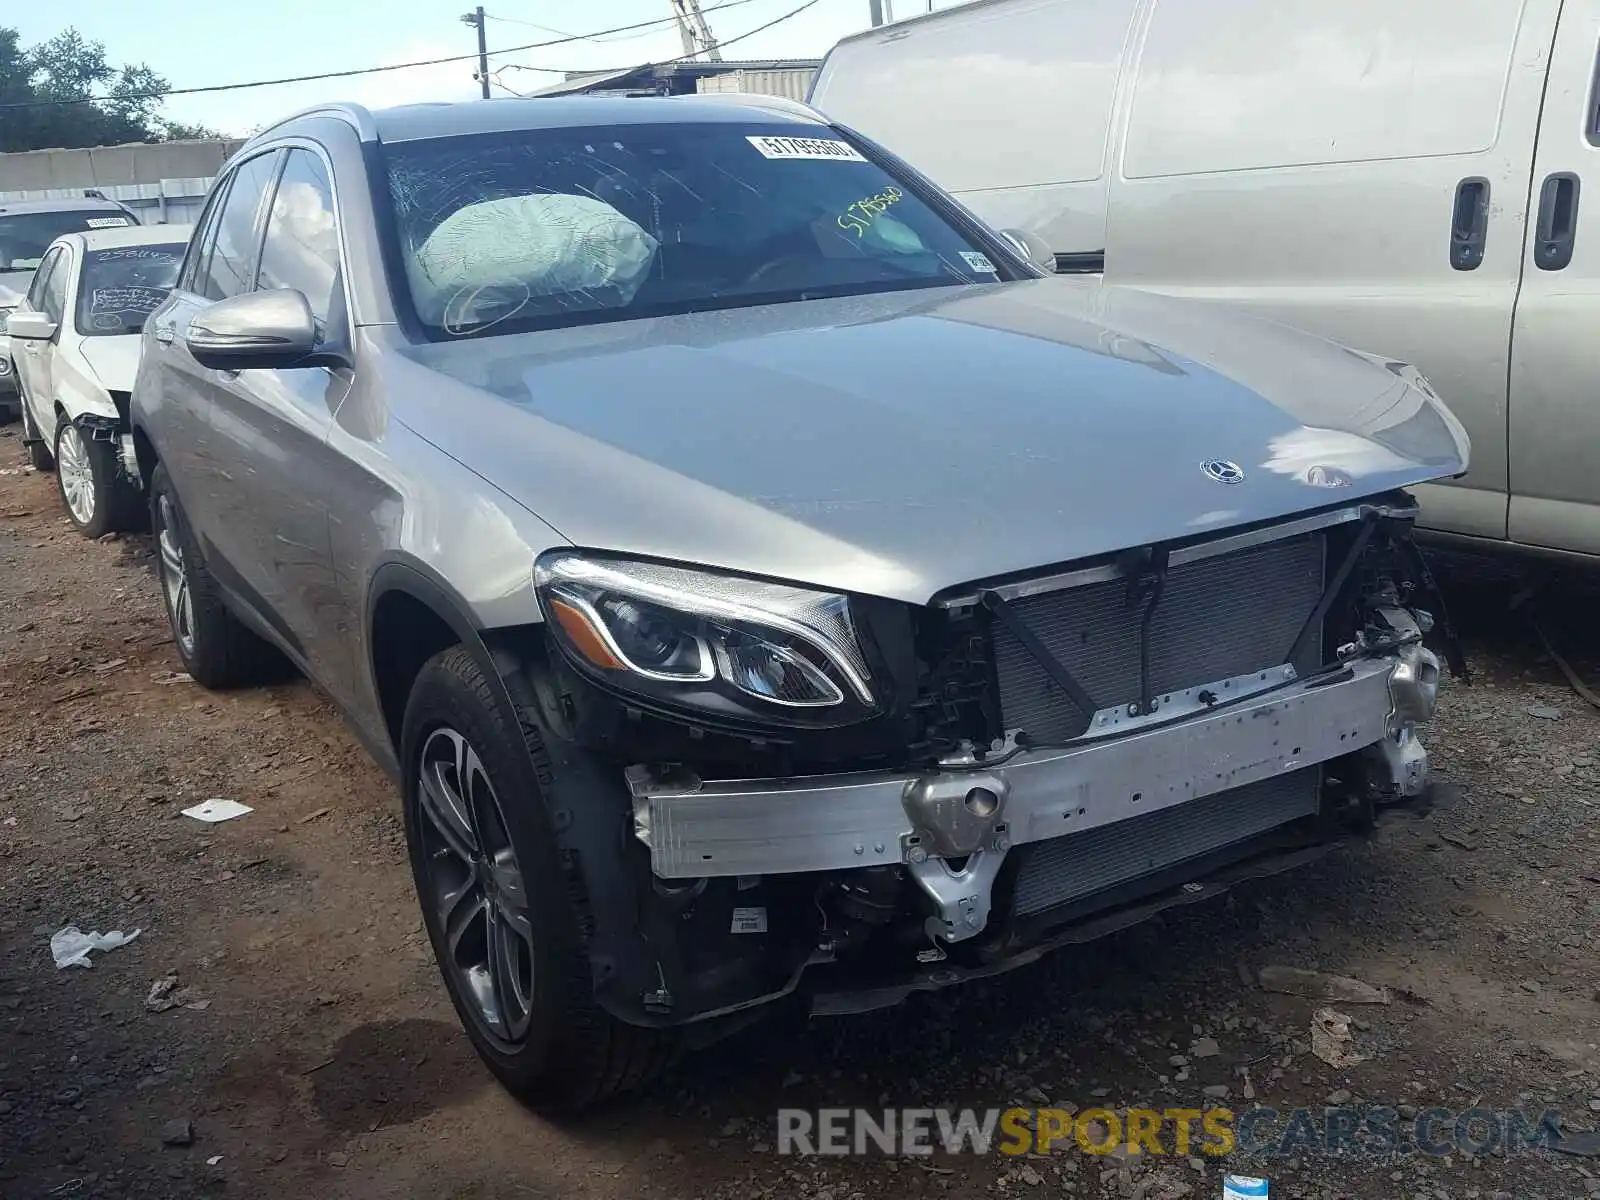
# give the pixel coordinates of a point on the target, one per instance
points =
(329, 1062)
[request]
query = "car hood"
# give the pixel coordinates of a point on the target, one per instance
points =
(899, 444)
(13, 287)
(114, 360)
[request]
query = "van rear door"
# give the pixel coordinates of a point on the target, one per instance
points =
(1358, 168)
(1555, 366)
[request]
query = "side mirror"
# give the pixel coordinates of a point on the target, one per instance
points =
(254, 331)
(1032, 247)
(33, 326)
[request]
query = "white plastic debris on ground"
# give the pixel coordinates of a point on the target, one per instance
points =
(70, 947)
(497, 251)
(213, 811)
(165, 994)
(1331, 1040)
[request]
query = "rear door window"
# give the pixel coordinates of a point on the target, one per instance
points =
(41, 279)
(191, 278)
(231, 266)
(53, 301)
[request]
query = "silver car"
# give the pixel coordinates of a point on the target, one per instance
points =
(762, 580)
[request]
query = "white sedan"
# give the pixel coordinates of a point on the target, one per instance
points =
(75, 345)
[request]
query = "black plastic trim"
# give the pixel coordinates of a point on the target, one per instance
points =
(1080, 262)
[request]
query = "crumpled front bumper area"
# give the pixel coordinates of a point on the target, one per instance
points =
(953, 828)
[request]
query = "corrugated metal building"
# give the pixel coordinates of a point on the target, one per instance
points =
(164, 182)
(792, 83)
(789, 77)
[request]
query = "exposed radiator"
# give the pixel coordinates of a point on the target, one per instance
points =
(1064, 869)
(1218, 617)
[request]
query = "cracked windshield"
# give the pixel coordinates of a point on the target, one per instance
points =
(561, 227)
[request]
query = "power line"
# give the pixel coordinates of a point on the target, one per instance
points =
(666, 62)
(793, 12)
(126, 97)
(601, 39)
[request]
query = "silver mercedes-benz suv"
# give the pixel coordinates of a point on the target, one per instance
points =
(761, 578)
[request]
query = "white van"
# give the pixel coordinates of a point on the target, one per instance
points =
(1403, 177)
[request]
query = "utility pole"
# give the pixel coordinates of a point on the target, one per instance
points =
(694, 32)
(476, 18)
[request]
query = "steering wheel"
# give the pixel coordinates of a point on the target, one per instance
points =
(792, 258)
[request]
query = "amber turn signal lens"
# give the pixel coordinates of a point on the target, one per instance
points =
(585, 638)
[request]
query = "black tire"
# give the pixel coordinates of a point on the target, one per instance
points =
(215, 648)
(98, 497)
(571, 1054)
(39, 456)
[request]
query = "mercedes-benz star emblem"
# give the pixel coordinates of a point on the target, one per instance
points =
(1223, 471)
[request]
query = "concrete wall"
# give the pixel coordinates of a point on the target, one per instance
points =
(164, 182)
(112, 166)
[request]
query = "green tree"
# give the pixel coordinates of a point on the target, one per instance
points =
(90, 102)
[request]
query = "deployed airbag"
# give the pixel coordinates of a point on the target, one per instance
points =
(520, 247)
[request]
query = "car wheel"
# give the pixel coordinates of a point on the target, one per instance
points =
(495, 902)
(98, 498)
(215, 648)
(39, 456)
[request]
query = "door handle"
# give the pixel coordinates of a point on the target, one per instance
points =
(1469, 223)
(1557, 228)
(165, 334)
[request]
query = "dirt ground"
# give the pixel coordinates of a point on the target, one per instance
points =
(328, 1062)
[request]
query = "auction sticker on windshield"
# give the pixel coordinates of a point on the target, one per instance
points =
(813, 148)
(106, 222)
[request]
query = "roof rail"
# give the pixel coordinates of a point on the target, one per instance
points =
(353, 114)
(755, 100)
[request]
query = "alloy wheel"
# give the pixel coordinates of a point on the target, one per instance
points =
(75, 474)
(474, 887)
(175, 576)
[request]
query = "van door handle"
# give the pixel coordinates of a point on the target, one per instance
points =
(1469, 224)
(1558, 221)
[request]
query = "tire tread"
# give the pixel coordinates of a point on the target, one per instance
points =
(227, 655)
(595, 1058)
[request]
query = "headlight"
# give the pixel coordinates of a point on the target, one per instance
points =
(743, 648)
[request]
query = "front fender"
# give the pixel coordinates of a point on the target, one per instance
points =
(79, 394)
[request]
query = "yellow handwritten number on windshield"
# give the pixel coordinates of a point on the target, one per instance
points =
(865, 211)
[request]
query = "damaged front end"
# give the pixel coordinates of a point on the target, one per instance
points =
(115, 429)
(857, 798)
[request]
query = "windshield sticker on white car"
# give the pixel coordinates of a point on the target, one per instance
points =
(978, 262)
(143, 300)
(807, 148)
(166, 254)
(106, 222)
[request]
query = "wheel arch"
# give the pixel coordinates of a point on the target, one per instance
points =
(144, 450)
(412, 614)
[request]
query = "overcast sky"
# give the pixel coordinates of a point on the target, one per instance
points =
(237, 40)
